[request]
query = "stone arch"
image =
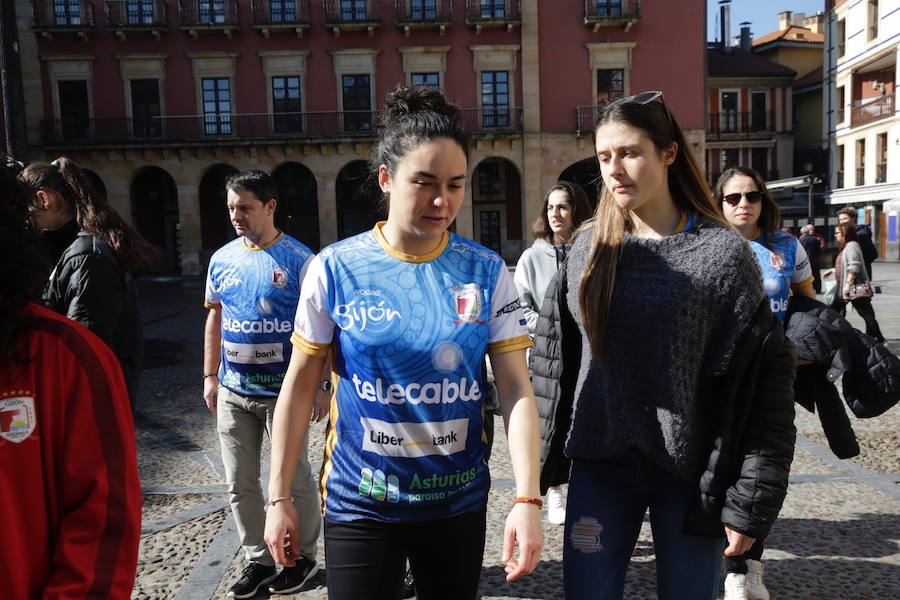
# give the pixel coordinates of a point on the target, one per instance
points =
(358, 199)
(215, 228)
(585, 173)
(298, 205)
(497, 206)
(154, 212)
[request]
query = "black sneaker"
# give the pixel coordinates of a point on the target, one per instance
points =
(293, 578)
(253, 577)
(409, 585)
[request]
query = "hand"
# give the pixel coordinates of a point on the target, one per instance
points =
(523, 526)
(827, 273)
(211, 393)
(321, 406)
(738, 543)
(847, 289)
(282, 533)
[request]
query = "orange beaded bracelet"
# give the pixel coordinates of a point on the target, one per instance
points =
(529, 500)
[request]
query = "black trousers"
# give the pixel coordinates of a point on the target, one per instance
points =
(366, 559)
(863, 307)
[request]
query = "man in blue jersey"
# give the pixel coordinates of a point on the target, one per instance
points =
(252, 288)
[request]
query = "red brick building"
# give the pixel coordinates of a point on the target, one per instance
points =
(162, 99)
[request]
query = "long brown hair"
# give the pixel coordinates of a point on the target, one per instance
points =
(578, 201)
(848, 234)
(769, 215)
(93, 213)
(687, 185)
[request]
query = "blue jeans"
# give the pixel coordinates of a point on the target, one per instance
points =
(606, 506)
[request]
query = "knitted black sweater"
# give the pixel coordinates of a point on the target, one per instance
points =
(679, 305)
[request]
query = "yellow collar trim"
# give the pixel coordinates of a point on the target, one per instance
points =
(269, 245)
(410, 258)
(681, 224)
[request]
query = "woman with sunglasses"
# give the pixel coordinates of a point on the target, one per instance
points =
(747, 206)
(850, 269)
(670, 313)
(786, 270)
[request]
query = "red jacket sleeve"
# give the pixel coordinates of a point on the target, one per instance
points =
(99, 500)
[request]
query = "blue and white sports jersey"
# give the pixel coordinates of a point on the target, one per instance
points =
(406, 439)
(257, 290)
(783, 263)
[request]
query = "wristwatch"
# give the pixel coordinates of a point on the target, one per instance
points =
(326, 386)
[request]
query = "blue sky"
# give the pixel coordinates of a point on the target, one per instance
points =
(762, 14)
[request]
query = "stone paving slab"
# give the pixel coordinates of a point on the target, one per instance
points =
(838, 536)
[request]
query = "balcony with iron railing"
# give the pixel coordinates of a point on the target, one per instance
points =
(733, 123)
(869, 110)
(881, 172)
(280, 15)
(422, 14)
(612, 13)
(487, 14)
(147, 16)
(62, 16)
(209, 15)
(352, 15)
(230, 128)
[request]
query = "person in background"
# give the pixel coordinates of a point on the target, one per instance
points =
(813, 247)
(565, 207)
(670, 312)
(96, 255)
(746, 204)
(410, 310)
(850, 271)
(252, 288)
(69, 489)
(863, 237)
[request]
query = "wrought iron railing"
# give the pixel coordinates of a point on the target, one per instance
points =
(503, 11)
(349, 12)
(135, 14)
(280, 12)
(424, 11)
(224, 126)
(209, 12)
(727, 122)
(62, 14)
(881, 173)
(598, 10)
(873, 110)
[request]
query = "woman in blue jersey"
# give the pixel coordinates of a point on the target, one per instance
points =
(747, 205)
(410, 311)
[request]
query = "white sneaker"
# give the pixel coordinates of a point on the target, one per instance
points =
(736, 587)
(556, 506)
(756, 590)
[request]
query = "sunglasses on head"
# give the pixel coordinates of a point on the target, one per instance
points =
(646, 98)
(735, 199)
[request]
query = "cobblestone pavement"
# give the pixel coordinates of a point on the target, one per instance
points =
(838, 535)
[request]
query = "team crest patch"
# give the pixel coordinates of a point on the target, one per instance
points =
(279, 277)
(467, 298)
(17, 418)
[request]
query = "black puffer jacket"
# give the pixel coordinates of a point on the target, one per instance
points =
(871, 372)
(89, 285)
(752, 432)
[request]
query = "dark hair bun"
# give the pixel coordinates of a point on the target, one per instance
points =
(405, 101)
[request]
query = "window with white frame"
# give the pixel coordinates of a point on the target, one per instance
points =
(729, 111)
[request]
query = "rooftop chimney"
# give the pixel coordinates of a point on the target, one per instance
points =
(815, 23)
(784, 20)
(725, 24)
(746, 42)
